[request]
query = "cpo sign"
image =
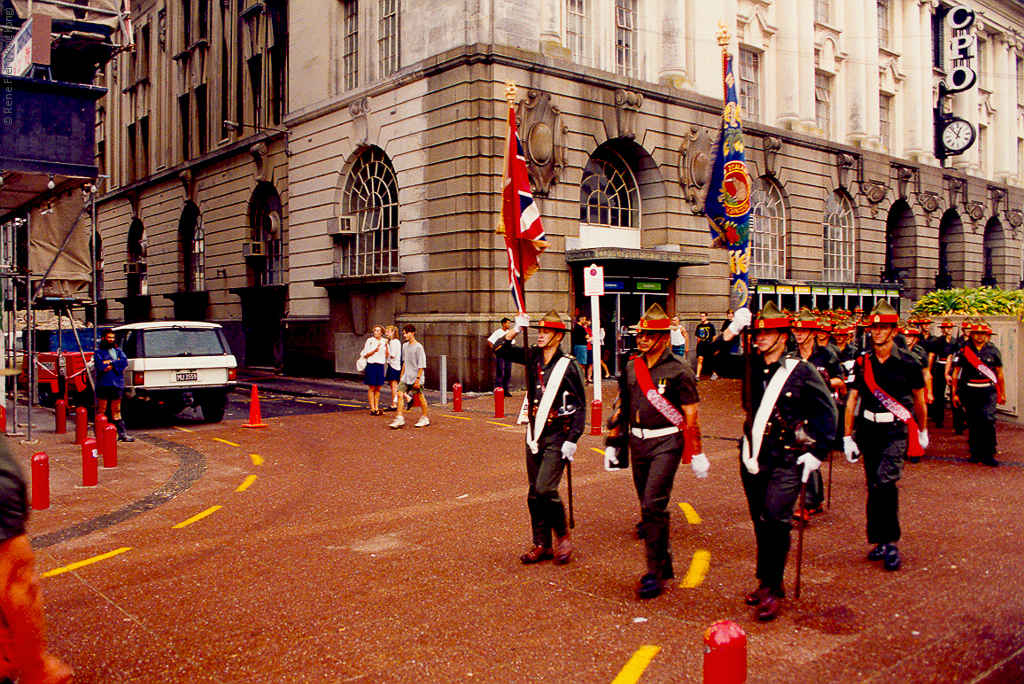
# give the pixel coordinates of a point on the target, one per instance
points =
(962, 46)
(593, 281)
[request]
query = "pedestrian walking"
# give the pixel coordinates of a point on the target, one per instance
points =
(940, 352)
(578, 340)
(556, 419)
(375, 353)
(110, 363)
(677, 337)
(24, 656)
(978, 385)
(886, 426)
(502, 368)
(793, 422)
(393, 371)
(704, 333)
(655, 428)
(410, 386)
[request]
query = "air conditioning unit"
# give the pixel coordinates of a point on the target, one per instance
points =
(134, 268)
(341, 225)
(254, 248)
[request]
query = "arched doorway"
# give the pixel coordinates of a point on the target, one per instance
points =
(900, 229)
(193, 248)
(995, 255)
(951, 251)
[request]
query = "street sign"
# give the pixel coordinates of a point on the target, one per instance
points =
(593, 281)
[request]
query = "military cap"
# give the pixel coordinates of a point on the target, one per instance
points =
(883, 313)
(654, 320)
(770, 318)
(552, 321)
(805, 320)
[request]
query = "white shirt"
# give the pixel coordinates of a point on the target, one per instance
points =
(495, 336)
(394, 350)
(677, 338)
(373, 350)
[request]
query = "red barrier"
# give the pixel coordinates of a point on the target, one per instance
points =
(90, 463)
(595, 417)
(99, 430)
(3, 419)
(81, 425)
(725, 654)
(60, 415)
(40, 481)
(499, 402)
(255, 421)
(110, 446)
(457, 397)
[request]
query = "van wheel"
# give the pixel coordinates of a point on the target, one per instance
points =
(213, 411)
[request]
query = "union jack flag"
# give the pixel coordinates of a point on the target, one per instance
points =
(520, 216)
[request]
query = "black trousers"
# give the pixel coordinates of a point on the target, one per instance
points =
(937, 409)
(502, 373)
(884, 449)
(771, 495)
(655, 462)
(980, 414)
(544, 470)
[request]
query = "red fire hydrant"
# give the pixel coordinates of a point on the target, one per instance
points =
(81, 425)
(90, 463)
(40, 481)
(725, 654)
(457, 397)
(110, 446)
(60, 416)
(595, 417)
(499, 402)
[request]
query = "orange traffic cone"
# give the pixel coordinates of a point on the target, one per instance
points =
(254, 411)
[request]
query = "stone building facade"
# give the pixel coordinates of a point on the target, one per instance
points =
(313, 168)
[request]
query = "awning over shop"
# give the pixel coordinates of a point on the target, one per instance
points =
(651, 256)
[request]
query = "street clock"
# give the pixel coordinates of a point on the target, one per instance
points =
(955, 136)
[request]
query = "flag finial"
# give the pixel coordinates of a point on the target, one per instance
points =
(722, 35)
(510, 92)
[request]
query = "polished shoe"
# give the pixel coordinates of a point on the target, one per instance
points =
(536, 555)
(878, 553)
(650, 586)
(563, 550)
(802, 514)
(990, 462)
(973, 459)
(914, 459)
(754, 597)
(892, 560)
(769, 607)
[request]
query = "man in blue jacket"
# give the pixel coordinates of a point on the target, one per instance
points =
(110, 363)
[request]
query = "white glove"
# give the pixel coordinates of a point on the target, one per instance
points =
(568, 450)
(851, 449)
(522, 322)
(810, 463)
(611, 458)
(740, 320)
(922, 437)
(700, 464)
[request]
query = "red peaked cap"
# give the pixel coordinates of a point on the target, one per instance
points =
(654, 320)
(552, 321)
(770, 318)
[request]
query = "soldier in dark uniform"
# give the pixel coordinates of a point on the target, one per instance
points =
(657, 420)
(917, 351)
(793, 428)
(957, 409)
(939, 354)
(561, 423)
(889, 424)
(978, 385)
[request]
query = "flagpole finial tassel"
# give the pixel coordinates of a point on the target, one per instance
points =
(722, 35)
(510, 92)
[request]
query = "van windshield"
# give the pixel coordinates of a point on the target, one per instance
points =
(182, 342)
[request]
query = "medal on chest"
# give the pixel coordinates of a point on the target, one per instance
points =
(661, 386)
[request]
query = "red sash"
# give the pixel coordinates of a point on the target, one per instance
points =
(643, 378)
(973, 359)
(898, 409)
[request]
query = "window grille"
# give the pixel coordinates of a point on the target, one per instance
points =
(371, 199)
(837, 245)
(767, 231)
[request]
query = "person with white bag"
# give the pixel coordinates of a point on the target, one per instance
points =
(374, 355)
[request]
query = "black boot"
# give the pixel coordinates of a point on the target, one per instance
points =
(122, 434)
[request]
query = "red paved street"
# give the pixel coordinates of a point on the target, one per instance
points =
(336, 550)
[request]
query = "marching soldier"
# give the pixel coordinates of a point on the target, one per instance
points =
(915, 348)
(978, 385)
(889, 424)
(657, 421)
(557, 418)
(959, 418)
(939, 355)
(793, 428)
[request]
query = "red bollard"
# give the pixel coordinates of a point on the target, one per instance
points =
(81, 425)
(3, 419)
(90, 463)
(595, 417)
(60, 415)
(110, 447)
(457, 398)
(499, 402)
(725, 654)
(40, 481)
(99, 430)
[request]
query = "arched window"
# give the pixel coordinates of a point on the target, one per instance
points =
(837, 243)
(609, 202)
(193, 248)
(266, 226)
(135, 266)
(767, 230)
(371, 202)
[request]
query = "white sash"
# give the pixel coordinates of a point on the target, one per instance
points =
(550, 390)
(764, 411)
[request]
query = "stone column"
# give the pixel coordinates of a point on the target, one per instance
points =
(787, 57)
(805, 61)
(1004, 95)
(551, 28)
(871, 78)
(854, 128)
(916, 109)
(673, 46)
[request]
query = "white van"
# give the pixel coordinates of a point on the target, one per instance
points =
(177, 364)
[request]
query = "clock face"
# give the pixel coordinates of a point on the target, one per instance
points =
(957, 135)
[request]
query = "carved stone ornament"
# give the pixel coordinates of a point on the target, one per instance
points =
(844, 163)
(188, 184)
(772, 146)
(929, 201)
(976, 210)
(996, 195)
(627, 104)
(904, 175)
(957, 189)
(543, 137)
(1015, 217)
(359, 109)
(696, 159)
(259, 160)
(875, 192)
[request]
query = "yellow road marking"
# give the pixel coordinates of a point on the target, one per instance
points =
(636, 665)
(245, 485)
(491, 422)
(182, 429)
(218, 439)
(352, 405)
(454, 416)
(256, 459)
(196, 518)
(307, 401)
(87, 561)
(690, 513)
(597, 451)
(699, 567)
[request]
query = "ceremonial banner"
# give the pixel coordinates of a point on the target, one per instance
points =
(727, 204)
(520, 217)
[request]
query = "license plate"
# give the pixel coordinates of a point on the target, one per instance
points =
(187, 377)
